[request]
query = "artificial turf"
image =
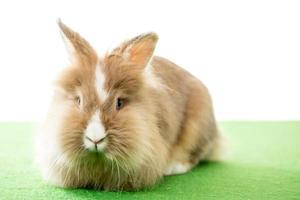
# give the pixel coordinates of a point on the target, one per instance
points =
(263, 162)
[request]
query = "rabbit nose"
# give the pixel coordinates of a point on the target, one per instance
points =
(95, 141)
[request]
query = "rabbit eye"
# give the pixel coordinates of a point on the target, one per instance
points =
(119, 103)
(77, 100)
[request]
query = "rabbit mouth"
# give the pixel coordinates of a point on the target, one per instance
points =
(95, 145)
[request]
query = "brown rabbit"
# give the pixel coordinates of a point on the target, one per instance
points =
(123, 121)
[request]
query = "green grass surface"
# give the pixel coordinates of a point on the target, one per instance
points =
(263, 162)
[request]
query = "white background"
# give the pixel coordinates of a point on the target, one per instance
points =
(247, 52)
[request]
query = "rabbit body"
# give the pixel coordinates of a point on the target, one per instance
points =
(123, 121)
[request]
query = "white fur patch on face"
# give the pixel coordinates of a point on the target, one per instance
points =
(94, 136)
(99, 83)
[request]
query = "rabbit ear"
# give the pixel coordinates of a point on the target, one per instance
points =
(79, 49)
(139, 50)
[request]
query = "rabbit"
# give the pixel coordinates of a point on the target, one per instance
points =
(125, 120)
